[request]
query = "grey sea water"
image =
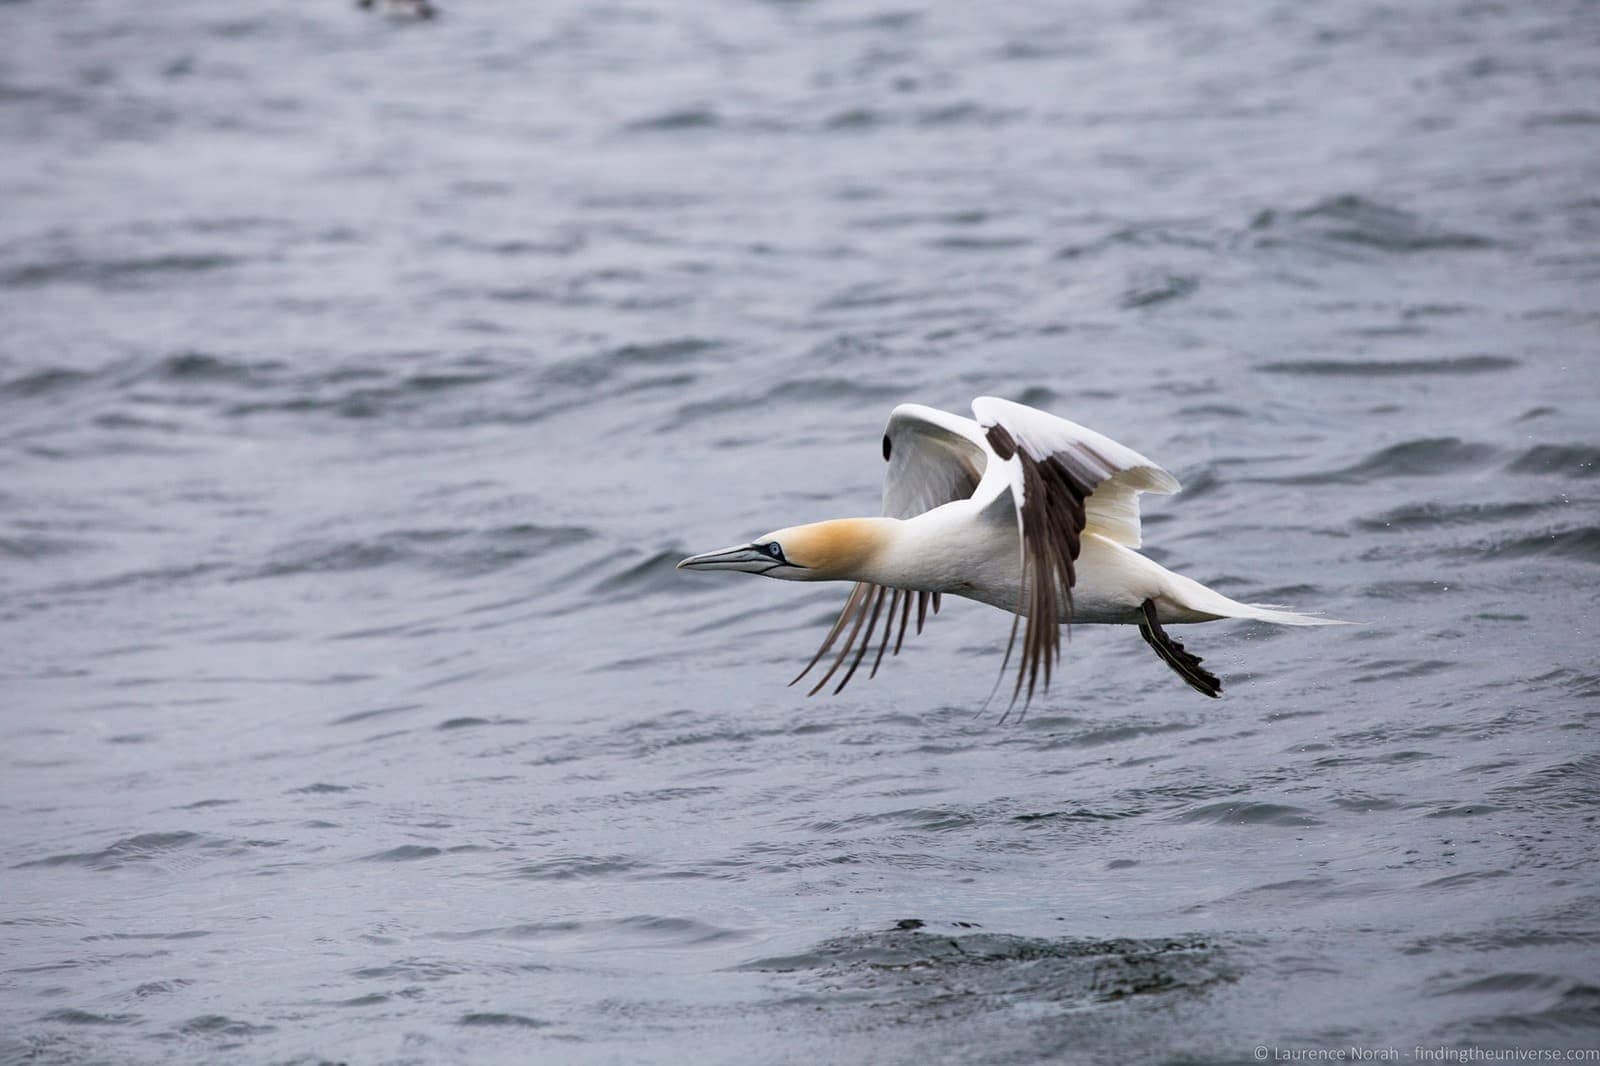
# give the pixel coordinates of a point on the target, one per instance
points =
(362, 378)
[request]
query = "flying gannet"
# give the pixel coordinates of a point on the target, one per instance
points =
(1020, 509)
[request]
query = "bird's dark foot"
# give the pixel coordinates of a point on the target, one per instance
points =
(1185, 664)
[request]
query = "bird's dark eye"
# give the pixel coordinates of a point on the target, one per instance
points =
(774, 550)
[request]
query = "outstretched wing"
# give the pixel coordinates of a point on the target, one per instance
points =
(1063, 479)
(934, 457)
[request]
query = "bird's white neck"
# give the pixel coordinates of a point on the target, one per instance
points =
(941, 550)
(936, 551)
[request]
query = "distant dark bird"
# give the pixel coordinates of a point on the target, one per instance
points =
(1020, 509)
(417, 9)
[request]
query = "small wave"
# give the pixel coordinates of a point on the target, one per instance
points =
(780, 612)
(1377, 368)
(161, 988)
(522, 931)
(672, 352)
(1433, 514)
(1569, 1007)
(804, 393)
(1501, 938)
(994, 243)
(404, 853)
(681, 119)
(115, 273)
(900, 219)
(1243, 813)
(627, 933)
(73, 1016)
(1111, 734)
(222, 1025)
(36, 546)
(380, 384)
(888, 22)
(966, 113)
(457, 552)
(204, 366)
(652, 574)
(1147, 288)
(182, 934)
(1081, 814)
(495, 1018)
(1563, 118)
(375, 712)
(412, 969)
(575, 867)
(929, 819)
(670, 929)
(333, 558)
(855, 118)
(1143, 235)
(1572, 784)
(1568, 460)
(875, 297)
(588, 373)
(372, 999)
(1294, 895)
(1401, 669)
(143, 848)
(116, 420)
(1581, 543)
(1503, 982)
(1417, 458)
(1466, 880)
(1424, 457)
(1358, 223)
(159, 578)
(1033, 48)
(1462, 810)
(959, 113)
(43, 382)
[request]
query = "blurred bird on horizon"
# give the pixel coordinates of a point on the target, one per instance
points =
(399, 9)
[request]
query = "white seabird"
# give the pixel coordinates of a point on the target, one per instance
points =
(1020, 509)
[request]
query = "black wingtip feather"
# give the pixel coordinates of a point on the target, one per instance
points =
(1053, 514)
(858, 625)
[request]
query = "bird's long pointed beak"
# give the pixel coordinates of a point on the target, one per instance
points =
(745, 557)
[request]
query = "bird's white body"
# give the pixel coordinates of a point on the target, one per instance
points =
(952, 550)
(1019, 509)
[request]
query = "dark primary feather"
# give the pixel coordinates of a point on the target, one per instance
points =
(861, 614)
(1055, 489)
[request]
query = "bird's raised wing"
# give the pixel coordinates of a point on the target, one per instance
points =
(1063, 480)
(934, 458)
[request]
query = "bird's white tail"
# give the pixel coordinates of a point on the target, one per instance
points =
(1186, 600)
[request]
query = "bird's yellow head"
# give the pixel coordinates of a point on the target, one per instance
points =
(842, 549)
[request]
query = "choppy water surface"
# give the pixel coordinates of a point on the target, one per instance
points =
(361, 379)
